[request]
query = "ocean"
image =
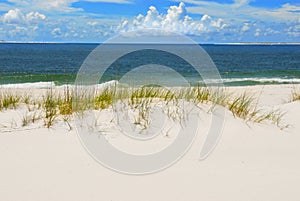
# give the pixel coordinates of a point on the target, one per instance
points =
(37, 65)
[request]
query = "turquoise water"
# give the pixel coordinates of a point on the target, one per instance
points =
(237, 64)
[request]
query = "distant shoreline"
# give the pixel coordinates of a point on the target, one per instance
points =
(98, 43)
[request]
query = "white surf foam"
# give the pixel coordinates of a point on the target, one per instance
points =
(35, 85)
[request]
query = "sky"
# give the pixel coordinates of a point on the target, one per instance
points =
(205, 21)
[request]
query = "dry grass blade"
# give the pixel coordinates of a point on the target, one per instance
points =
(295, 95)
(141, 100)
(9, 101)
(105, 98)
(50, 108)
(242, 106)
(65, 104)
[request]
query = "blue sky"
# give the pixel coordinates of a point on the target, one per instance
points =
(207, 21)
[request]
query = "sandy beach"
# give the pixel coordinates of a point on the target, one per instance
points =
(252, 161)
(125, 100)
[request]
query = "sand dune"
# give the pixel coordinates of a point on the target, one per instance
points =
(255, 162)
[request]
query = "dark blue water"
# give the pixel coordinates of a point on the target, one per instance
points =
(237, 64)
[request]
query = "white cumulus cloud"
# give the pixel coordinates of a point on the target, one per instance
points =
(13, 17)
(35, 17)
(56, 32)
(245, 27)
(16, 16)
(176, 19)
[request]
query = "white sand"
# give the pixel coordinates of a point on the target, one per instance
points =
(251, 162)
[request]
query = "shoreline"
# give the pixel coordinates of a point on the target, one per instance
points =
(98, 43)
(226, 82)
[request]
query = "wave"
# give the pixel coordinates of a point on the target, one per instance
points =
(48, 85)
(225, 81)
(26, 85)
(96, 86)
(253, 81)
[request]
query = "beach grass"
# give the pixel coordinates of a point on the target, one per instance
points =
(54, 105)
(9, 101)
(104, 99)
(50, 106)
(25, 120)
(295, 95)
(243, 106)
(65, 103)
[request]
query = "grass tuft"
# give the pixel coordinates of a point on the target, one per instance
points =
(65, 104)
(9, 101)
(104, 99)
(50, 108)
(141, 100)
(242, 106)
(25, 120)
(295, 95)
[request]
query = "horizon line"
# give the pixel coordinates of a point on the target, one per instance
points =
(200, 43)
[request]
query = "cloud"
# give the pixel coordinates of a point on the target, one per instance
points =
(92, 23)
(4, 7)
(16, 16)
(245, 27)
(35, 17)
(241, 3)
(57, 20)
(212, 28)
(240, 10)
(257, 32)
(56, 32)
(45, 5)
(176, 13)
(111, 1)
(175, 20)
(64, 6)
(13, 17)
(294, 30)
